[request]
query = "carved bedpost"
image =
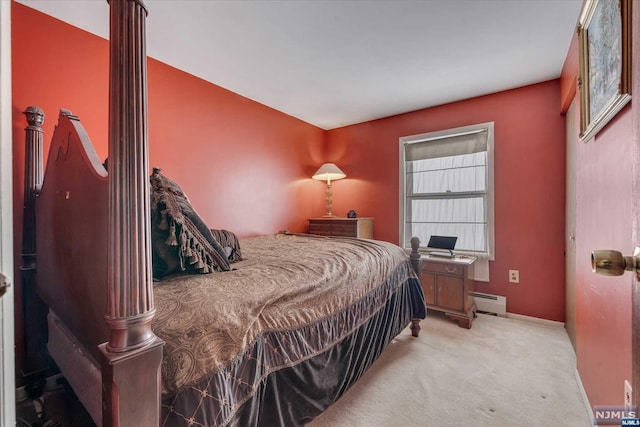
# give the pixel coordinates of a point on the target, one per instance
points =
(414, 256)
(133, 355)
(33, 154)
(34, 310)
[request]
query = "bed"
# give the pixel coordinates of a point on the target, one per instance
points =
(156, 319)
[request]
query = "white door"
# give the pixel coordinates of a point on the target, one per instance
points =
(7, 365)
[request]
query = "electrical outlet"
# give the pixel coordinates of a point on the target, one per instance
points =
(628, 395)
(514, 276)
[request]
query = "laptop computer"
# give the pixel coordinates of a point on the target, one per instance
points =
(447, 243)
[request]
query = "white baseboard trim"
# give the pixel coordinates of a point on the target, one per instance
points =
(51, 384)
(537, 320)
(583, 394)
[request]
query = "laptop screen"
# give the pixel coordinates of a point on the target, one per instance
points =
(442, 242)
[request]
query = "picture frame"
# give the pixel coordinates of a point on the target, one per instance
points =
(604, 82)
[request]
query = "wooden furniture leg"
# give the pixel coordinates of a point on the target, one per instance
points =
(125, 375)
(464, 320)
(415, 327)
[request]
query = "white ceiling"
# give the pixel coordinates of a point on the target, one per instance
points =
(336, 62)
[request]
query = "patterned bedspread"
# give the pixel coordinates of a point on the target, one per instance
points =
(284, 282)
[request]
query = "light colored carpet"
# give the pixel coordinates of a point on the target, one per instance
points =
(501, 372)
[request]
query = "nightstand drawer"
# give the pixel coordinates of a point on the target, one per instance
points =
(443, 268)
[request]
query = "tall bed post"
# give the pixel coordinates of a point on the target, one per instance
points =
(132, 356)
(34, 310)
(414, 256)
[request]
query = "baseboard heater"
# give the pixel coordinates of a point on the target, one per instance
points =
(492, 304)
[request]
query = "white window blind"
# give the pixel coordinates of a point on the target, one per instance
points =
(447, 181)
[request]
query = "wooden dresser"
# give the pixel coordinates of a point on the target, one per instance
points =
(447, 286)
(346, 227)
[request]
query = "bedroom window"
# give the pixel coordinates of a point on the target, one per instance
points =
(447, 187)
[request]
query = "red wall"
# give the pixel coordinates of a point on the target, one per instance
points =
(245, 167)
(569, 75)
(529, 185)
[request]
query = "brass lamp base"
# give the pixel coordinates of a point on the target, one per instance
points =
(328, 202)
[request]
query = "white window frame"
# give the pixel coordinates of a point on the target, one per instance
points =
(439, 135)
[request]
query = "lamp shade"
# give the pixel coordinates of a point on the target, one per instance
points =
(328, 172)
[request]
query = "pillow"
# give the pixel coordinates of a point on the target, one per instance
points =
(229, 241)
(181, 241)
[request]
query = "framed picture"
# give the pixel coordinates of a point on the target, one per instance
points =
(604, 37)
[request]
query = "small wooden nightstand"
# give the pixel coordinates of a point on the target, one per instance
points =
(346, 227)
(447, 287)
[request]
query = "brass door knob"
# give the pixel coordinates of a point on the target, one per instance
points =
(613, 263)
(4, 285)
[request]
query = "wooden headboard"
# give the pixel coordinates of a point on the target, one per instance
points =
(73, 202)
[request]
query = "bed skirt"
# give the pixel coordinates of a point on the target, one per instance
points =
(287, 378)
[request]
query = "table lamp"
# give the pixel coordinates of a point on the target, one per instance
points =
(328, 172)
